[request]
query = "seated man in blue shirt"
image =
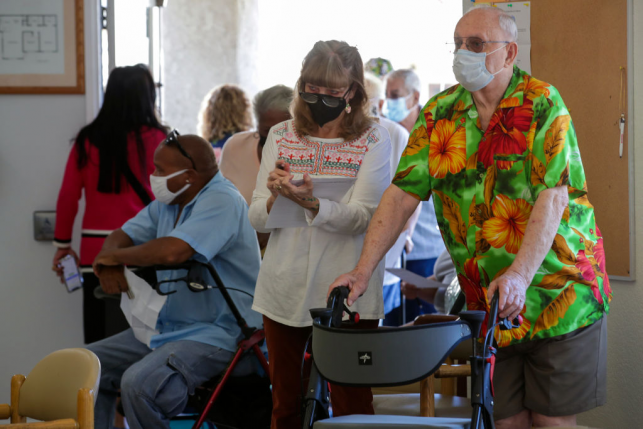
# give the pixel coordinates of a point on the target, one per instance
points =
(200, 215)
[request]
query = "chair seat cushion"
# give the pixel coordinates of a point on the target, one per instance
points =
(358, 421)
(408, 404)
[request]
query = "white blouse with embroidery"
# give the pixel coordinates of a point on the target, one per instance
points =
(300, 263)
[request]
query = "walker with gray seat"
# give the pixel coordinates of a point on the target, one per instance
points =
(392, 357)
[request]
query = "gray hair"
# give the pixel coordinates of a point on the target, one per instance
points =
(411, 79)
(505, 21)
(277, 97)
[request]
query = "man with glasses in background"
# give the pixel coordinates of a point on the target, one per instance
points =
(424, 246)
(499, 155)
(197, 215)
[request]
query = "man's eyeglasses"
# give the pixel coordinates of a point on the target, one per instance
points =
(473, 44)
(173, 139)
(328, 100)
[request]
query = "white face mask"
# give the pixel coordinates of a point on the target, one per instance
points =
(160, 190)
(470, 69)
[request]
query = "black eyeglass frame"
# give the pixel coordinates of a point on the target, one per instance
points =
(173, 138)
(465, 41)
(328, 100)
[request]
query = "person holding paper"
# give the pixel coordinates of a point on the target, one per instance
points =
(399, 138)
(197, 215)
(499, 154)
(444, 272)
(330, 137)
(402, 105)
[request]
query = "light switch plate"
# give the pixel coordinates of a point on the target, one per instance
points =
(44, 223)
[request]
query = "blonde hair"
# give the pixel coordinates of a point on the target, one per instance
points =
(333, 64)
(225, 109)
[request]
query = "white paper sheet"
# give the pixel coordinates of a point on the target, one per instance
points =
(288, 214)
(143, 310)
(415, 279)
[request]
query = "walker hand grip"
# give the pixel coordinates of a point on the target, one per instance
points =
(505, 324)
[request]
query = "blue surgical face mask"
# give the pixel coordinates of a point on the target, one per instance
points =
(470, 69)
(395, 108)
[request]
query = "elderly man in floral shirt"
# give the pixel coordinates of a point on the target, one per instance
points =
(499, 154)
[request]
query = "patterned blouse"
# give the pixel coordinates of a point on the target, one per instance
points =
(485, 184)
(300, 263)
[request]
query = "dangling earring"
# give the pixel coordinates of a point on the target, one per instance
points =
(348, 108)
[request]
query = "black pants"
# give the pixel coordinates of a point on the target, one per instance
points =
(102, 318)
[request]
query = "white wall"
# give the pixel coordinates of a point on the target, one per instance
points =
(37, 315)
(625, 326)
(206, 43)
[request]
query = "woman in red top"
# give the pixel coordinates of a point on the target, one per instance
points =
(111, 160)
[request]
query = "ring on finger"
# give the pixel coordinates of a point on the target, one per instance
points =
(278, 187)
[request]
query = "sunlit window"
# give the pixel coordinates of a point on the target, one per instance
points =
(130, 34)
(132, 44)
(409, 33)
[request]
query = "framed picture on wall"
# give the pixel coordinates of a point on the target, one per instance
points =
(42, 47)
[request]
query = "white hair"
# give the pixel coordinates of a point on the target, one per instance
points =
(277, 97)
(374, 87)
(505, 21)
(374, 91)
(411, 79)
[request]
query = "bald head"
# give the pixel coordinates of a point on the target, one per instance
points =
(490, 20)
(200, 152)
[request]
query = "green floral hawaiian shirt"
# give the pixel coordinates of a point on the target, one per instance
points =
(485, 185)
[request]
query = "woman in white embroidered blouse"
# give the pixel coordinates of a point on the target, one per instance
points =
(331, 136)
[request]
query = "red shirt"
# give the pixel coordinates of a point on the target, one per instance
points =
(104, 212)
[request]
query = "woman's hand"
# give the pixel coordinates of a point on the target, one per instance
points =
(61, 253)
(302, 194)
(411, 291)
(277, 177)
(279, 183)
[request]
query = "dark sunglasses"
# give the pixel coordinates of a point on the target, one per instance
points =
(474, 44)
(328, 100)
(173, 139)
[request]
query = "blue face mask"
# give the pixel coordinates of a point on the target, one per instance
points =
(470, 69)
(395, 108)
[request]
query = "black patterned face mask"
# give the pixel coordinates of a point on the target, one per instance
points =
(324, 108)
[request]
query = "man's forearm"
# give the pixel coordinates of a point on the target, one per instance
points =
(161, 251)
(117, 240)
(385, 227)
(540, 232)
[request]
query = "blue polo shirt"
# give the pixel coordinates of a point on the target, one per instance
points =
(215, 224)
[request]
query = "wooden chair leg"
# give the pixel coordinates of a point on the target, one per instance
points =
(85, 407)
(448, 384)
(427, 397)
(16, 384)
